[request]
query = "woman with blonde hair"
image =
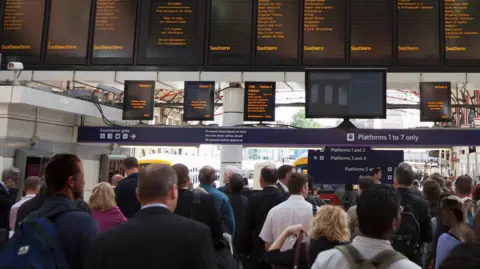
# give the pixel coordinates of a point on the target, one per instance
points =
(104, 208)
(329, 228)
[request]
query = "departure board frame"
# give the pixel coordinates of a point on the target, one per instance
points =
(129, 114)
(253, 89)
(187, 98)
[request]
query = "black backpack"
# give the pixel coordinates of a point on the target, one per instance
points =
(406, 239)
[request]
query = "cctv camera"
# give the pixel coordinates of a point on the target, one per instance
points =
(15, 66)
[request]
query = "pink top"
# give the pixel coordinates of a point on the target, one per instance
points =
(107, 220)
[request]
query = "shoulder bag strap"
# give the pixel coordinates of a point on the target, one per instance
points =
(351, 254)
(298, 246)
(307, 250)
(386, 258)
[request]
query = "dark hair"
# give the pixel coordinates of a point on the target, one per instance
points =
(269, 174)
(182, 174)
(245, 181)
(155, 181)
(376, 209)
(296, 182)
(438, 178)
(464, 256)
(432, 191)
(476, 193)
(416, 183)
(366, 182)
(207, 175)
(404, 174)
(59, 169)
(348, 187)
(376, 170)
(283, 171)
(130, 163)
(464, 185)
(31, 183)
(236, 183)
(310, 182)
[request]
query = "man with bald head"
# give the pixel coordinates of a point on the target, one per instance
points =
(155, 235)
(227, 175)
(116, 179)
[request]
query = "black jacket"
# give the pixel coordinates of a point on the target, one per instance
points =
(224, 189)
(239, 206)
(154, 238)
(125, 194)
(257, 209)
(247, 192)
(7, 199)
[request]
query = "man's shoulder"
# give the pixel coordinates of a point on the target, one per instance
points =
(132, 179)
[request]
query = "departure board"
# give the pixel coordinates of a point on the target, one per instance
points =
(324, 32)
(371, 32)
(435, 101)
(418, 32)
(462, 27)
(138, 100)
(172, 32)
(22, 30)
(259, 102)
(114, 35)
(277, 32)
(230, 32)
(68, 32)
(198, 104)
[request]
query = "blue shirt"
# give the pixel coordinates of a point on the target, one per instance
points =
(446, 243)
(223, 205)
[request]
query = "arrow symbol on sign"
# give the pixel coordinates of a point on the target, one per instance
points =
(133, 136)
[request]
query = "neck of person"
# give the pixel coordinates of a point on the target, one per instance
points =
(464, 195)
(66, 193)
(159, 202)
(401, 186)
(30, 192)
(131, 171)
(284, 181)
(268, 184)
(458, 230)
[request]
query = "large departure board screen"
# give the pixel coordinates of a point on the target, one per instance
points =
(22, 30)
(435, 101)
(114, 35)
(230, 32)
(371, 32)
(324, 32)
(462, 27)
(259, 102)
(172, 32)
(68, 32)
(418, 32)
(277, 32)
(198, 104)
(138, 100)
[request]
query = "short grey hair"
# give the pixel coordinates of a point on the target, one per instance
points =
(155, 181)
(230, 170)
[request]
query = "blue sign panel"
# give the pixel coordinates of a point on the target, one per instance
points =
(345, 165)
(274, 137)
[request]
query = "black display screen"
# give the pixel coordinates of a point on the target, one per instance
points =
(68, 32)
(350, 93)
(172, 32)
(230, 32)
(139, 100)
(198, 104)
(435, 101)
(418, 32)
(259, 104)
(462, 27)
(277, 32)
(22, 30)
(371, 32)
(114, 35)
(324, 32)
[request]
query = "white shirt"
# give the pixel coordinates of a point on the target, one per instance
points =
(368, 248)
(295, 210)
(285, 188)
(15, 207)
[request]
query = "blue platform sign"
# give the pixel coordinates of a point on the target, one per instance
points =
(345, 165)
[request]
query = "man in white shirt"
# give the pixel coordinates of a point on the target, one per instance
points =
(31, 188)
(283, 174)
(295, 210)
(378, 211)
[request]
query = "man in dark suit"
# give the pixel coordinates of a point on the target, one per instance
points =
(125, 190)
(257, 210)
(239, 206)
(283, 174)
(247, 192)
(8, 197)
(202, 210)
(155, 237)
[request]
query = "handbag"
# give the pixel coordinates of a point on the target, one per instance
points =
(298, 247)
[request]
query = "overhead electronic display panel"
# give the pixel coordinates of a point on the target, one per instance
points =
(371, 32)
(22, 30)
(418, 34)
(259, 101)
(68, 32)
(277, 32)
(198, 104)
(172, 32)
(324, 32)
(435, 101)
(230, 32)
(138, 100)
(462, 27)
(114, 36)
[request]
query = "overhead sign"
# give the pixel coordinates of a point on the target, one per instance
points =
(138, 100)
(198, 101)
(435, 101)
(259, 102)
(345, 165)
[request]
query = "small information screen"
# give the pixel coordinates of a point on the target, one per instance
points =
(198, 104)
(139, 100)
(22, 30)
(259, 102)
(277, 32)
(435, 101)
(114, 35)
(68, 32)
(324, 32)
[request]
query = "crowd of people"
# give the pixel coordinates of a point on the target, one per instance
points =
(154, 217)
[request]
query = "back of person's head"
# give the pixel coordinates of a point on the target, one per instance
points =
(268, 176)
(348, 187)
(207, 175)
(64, 174)
(476, 193)
(116, 179)
(157, 183)
(182, 175)
(229, 171)
(404, 175)
(464, 185)
(332, 223)
(284, 171)
(297, 184)
(130, 163)
(454, 209)
(376, 170)
(438, 178)
(378, 211)
(10, 177)
(245, 181)
(236, 183)
(432, 191)
(365, 183)
(416, 184)
(102, 198)
(464, 256)
(32, 184)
